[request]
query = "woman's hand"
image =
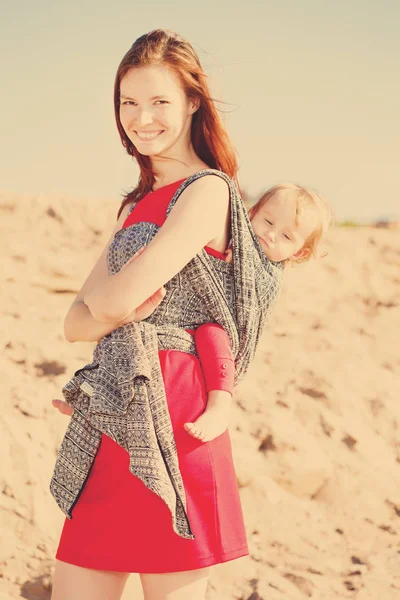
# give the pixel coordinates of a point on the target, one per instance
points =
(146, 309)
(63, 407)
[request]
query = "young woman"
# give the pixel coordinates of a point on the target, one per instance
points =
(168, 123)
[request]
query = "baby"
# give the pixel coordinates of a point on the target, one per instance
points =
(288, 221)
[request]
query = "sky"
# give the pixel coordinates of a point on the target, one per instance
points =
(311, 92)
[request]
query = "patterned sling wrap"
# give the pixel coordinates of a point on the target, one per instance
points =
(121, 393)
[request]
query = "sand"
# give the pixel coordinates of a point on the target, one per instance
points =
(315, 425)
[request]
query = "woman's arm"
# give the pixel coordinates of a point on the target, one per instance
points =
(79, 323)
(199, 216)
(81, 326)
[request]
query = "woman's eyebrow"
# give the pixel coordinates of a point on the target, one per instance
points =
(153, 98)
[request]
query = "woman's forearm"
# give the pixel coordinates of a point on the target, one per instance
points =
(183, 235)
(81, 326)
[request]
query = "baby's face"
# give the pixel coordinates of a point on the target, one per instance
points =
(275, 227)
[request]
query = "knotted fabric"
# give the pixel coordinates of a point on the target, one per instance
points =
(121, 393)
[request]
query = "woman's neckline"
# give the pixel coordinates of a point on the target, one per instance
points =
(167, 185)
(179, 180)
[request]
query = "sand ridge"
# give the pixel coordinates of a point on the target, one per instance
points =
(315, 427)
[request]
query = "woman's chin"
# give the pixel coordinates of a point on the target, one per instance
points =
(150, 152)
(149, 148)
(146, 152)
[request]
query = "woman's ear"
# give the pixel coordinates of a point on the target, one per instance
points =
(194, 105)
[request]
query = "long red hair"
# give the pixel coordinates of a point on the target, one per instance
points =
(209, 137)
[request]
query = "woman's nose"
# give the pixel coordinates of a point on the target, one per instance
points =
(145, 117)
(271, 235)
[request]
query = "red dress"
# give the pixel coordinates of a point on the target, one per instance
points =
(107, 530)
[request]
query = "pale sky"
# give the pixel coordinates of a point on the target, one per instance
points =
(313, 86)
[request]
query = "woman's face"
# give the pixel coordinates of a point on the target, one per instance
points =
(155, 112)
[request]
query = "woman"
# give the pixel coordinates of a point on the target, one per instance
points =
(168, 122)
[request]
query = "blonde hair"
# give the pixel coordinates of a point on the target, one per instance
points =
(307, 202)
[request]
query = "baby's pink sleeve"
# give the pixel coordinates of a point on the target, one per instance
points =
(215, 355)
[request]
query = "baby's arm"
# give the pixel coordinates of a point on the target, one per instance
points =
(216, 359)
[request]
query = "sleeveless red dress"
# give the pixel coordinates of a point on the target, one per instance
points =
(108, 531)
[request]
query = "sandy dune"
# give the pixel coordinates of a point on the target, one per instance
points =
(315, 426)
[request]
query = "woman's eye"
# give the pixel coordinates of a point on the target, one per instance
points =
(286, 236)
(162, 102)
(127, 102)
(269, 222)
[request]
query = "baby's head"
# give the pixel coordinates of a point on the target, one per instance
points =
(289, 221)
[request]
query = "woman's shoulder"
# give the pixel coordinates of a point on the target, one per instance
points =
(207, 175)
(207, 187)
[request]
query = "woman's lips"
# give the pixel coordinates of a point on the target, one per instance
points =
(148, 136)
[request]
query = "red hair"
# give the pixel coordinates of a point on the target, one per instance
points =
(208, 135)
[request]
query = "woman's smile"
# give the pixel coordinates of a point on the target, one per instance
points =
(146, 136)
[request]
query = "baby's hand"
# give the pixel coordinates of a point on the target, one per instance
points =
(228, 255)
